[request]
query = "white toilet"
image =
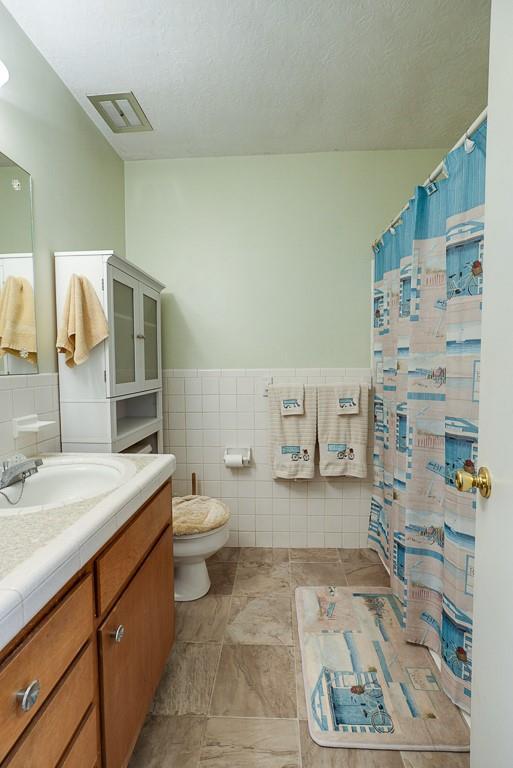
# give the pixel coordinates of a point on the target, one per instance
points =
(200, 529)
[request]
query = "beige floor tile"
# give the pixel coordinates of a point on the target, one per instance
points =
(250, 743)
(167, 742)
(317, 575)
(186, 685)
(314, 555)
(313, 756)
(222, 576)
(363, 567)
(255, 681)
(225, 555)
(295, 629)
(262, 579)
(263, 556)
(368, 576)
(358, 556)
(260, 621)
(204, 620)
(436, 759)
(300, 687)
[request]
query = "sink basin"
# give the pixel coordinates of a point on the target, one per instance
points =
(63, 480)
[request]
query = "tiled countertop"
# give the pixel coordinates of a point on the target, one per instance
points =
(41, 550)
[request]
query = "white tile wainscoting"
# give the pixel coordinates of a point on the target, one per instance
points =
(21, 396)
(207, 410)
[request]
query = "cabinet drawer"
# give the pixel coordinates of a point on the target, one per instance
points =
(130, 668)
(45, 740)
(84, 750)
(44, 657)
(120, 560)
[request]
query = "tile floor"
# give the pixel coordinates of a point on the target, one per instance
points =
(232, 692)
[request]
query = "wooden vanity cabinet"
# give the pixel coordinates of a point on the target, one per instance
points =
(134, 643)
(45, 656)
(83, 750)
(97, 652)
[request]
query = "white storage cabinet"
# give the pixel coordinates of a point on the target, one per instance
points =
(114, 399)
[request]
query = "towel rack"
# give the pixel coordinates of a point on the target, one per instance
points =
(349, 380)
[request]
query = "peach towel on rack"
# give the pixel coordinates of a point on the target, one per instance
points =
(83, 324)
(18, 320)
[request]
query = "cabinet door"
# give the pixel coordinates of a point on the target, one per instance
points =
(134, 642)
(124, 347)
(151, 365)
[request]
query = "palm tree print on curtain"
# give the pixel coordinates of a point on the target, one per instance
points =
(427, 326)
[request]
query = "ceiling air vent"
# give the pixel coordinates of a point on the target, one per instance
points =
(122, 112)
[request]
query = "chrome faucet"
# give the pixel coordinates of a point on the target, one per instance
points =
(18, 468)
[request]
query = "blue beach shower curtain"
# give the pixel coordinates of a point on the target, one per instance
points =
(427, 326)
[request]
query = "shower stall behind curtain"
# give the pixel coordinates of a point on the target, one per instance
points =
(427, 323)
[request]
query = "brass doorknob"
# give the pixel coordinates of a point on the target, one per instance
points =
(482, 481)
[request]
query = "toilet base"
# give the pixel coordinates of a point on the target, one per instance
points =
(191, 580)
(190, 552)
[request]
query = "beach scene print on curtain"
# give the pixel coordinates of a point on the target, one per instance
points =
(427, 335)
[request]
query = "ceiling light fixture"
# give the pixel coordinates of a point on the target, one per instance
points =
(4, 73)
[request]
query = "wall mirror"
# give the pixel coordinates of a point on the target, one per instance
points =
(18, 344)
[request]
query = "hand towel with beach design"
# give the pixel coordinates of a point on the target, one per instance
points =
(293, 439)
(342, 438)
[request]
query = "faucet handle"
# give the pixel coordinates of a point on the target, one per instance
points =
(11, 461)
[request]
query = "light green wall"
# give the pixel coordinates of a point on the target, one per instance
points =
(15, 212)
(77, 177)
(266, 258)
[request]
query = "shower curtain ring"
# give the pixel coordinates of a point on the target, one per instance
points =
(468, 143)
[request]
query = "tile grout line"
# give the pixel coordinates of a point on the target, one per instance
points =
(292, 597)
(221, 644)
(296, 650)
(252, 717)
(299, 750)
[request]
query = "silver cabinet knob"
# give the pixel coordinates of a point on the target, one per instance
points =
(118, 634)
(28, 696)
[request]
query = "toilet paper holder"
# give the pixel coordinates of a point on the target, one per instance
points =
(237, 457)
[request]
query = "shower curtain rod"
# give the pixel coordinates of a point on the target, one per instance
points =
(438, 170)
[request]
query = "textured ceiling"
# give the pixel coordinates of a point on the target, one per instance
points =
(230, 77)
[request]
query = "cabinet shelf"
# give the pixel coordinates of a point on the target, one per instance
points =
(137, 417)
(127, 427)
(121, 316)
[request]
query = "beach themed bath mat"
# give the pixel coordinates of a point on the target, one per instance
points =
(365, 686)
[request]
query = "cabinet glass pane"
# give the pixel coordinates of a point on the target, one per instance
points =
(124, 332)
(150, 338)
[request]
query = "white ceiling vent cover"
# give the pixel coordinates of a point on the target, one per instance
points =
(122, 112)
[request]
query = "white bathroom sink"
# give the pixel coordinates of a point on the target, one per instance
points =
(66, 479)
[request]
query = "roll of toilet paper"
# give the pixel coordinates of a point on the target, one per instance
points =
(233, 459)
